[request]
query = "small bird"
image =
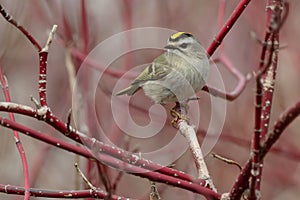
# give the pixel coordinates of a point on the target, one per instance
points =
(177, 74)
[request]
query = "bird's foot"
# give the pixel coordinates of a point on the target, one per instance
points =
(178, 112)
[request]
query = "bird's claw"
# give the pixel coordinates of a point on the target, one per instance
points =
(177, 116)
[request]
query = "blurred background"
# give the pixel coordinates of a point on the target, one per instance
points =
(82, 25)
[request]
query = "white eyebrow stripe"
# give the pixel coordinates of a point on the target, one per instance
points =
(153, 68)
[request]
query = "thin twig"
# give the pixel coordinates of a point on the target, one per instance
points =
(69, 117)
(117, 180)
(50, 38)
(154, 194)
(104, 178)
(226, 160)
(70, 68)
(84, 178)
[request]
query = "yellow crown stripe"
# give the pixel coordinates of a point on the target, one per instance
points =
(176, 35)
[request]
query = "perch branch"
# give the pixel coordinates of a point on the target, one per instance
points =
(189, 133)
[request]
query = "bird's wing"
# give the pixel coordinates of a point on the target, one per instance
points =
(158, 69)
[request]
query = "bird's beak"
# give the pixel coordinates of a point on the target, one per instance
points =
(169, 47)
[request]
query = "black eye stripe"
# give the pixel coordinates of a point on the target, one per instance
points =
(183, 45)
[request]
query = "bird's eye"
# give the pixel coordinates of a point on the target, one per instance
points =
(183, 45)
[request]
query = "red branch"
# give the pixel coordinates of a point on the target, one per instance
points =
(264, 89)
(240, 77)
(19, 145)
(223, 58)
(95, 64)
(280, 125)
(227, 26)
(133, 164)
(21, 28)
(53, 121)
(108, 160)
(107, 154)
(43, 77)
(62, 194)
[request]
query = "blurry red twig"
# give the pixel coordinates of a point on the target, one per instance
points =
(95, 64)
(102, 170)
(65, 30)
(223, 58)
(21, 28)
(288, 153)
(127, 25)
(242, 80)
(38, 163)
(62, 194)
(227, 26)
(291, 152)
(85, 27)
(85, 49)
(117, 180)
(127, 18)
(18, 142)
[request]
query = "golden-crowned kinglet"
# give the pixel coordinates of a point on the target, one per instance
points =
(175, 75)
